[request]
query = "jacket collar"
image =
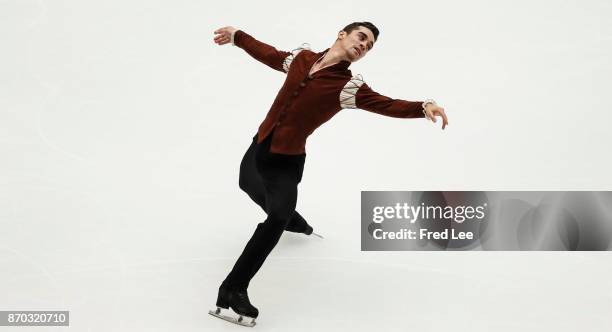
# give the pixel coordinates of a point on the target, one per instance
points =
(342, 65)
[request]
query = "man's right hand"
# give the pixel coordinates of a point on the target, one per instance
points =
(224, 35)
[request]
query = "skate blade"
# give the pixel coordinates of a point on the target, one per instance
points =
(315, 234)
(242, 320)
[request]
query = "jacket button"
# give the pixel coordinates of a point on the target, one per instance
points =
(295, 93)
(302, 84)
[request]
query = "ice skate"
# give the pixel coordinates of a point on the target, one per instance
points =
(309, 231)
(240, 306)
(240, 320)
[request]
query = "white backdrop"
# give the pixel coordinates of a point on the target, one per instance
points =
(122, 126)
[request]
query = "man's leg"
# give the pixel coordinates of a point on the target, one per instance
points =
(281, 194)
(250, 182)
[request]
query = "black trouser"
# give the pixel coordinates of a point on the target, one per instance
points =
(271, 180)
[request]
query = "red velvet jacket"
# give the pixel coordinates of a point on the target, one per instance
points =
(304, 103)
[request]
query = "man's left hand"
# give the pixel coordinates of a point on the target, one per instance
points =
(433, 110)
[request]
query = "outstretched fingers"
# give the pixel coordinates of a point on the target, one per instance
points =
(221, 40)
(223, 35)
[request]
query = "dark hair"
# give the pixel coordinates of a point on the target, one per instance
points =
(368, 25)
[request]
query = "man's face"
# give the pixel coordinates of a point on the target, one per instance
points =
(358, 43)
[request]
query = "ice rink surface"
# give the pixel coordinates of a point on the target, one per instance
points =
(122, 127)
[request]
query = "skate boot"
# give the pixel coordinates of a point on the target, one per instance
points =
(239, 302)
